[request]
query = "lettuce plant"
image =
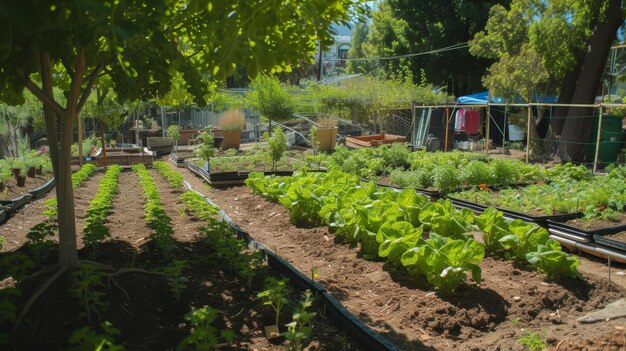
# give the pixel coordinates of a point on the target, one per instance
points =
(444, 261)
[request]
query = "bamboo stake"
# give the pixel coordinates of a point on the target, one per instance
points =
(595, 159)
(445, 147)
(486, 144)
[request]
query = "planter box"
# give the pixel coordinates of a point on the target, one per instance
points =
(541, 220)
(569, 231)
(3, 214)
(326, 138)
(40, 192)
(17, 203)
(373, 140)
(231, 178)
(160, 146)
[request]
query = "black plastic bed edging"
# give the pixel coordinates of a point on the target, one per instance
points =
(569, 229)
(433, 194)
(17, 203)
(232, 178)
(516, 215)
(178, 161)
(38, 193)
(360, 331)
(616, 244)
(3, 214)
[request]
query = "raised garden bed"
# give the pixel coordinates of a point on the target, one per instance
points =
(615, 240)
(534, 218)
(585, 230)
(232, 167)
(41, 191)
(12, 191)
(358, 142)
(17, 203)
(405, 310)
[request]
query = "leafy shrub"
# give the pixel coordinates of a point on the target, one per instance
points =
(277, 145)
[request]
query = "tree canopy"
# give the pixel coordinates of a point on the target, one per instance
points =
(411, 26)
(140, 44)
(551, 47)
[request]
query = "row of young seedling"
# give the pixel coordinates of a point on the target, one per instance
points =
(234, 256)
(51, 209)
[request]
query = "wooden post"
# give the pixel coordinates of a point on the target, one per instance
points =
(595, 158)
(445, 147)
(528, 134)
(413, 124)
(486, 144)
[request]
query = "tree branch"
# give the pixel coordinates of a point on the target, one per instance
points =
(68, 69)
(92, 79)
(77, 82)
(49, 102)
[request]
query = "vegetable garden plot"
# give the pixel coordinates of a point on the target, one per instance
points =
(153, 311)
(401, 307)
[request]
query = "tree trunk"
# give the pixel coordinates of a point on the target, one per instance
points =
(65, 196)
(577, 128)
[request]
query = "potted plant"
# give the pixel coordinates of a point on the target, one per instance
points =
(31, 164)
(173, 132)
(326, 134)
(206, 150)
(231, 123)
(16, 167)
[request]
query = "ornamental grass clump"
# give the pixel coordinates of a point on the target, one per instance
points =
(232, 120)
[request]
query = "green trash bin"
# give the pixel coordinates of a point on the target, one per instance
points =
(610, 139)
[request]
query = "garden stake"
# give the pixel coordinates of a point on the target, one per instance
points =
(595, 158)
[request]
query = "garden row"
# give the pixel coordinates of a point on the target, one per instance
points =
(217, 252)
(592, 206)
(431, 239)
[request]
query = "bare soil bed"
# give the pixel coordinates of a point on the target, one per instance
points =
(511, 301)
(12, 191)
(596, 223)
(147, 314)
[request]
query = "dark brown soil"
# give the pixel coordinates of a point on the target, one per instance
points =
(12, 191)
(31, 214)
(597, 223)
(621, 236)
(510, 301)
(149, 317)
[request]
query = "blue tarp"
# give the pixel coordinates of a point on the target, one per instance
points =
(481, 98)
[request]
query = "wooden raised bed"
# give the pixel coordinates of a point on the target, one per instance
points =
(373, 140)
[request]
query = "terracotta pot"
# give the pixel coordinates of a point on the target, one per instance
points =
(31, 172)
(232, 139)
(16, 172)
(326, 138)
(21, 181)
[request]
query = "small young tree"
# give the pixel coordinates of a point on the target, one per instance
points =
(173, 132)
(270, 99)
(277, 145)
(206, 150)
